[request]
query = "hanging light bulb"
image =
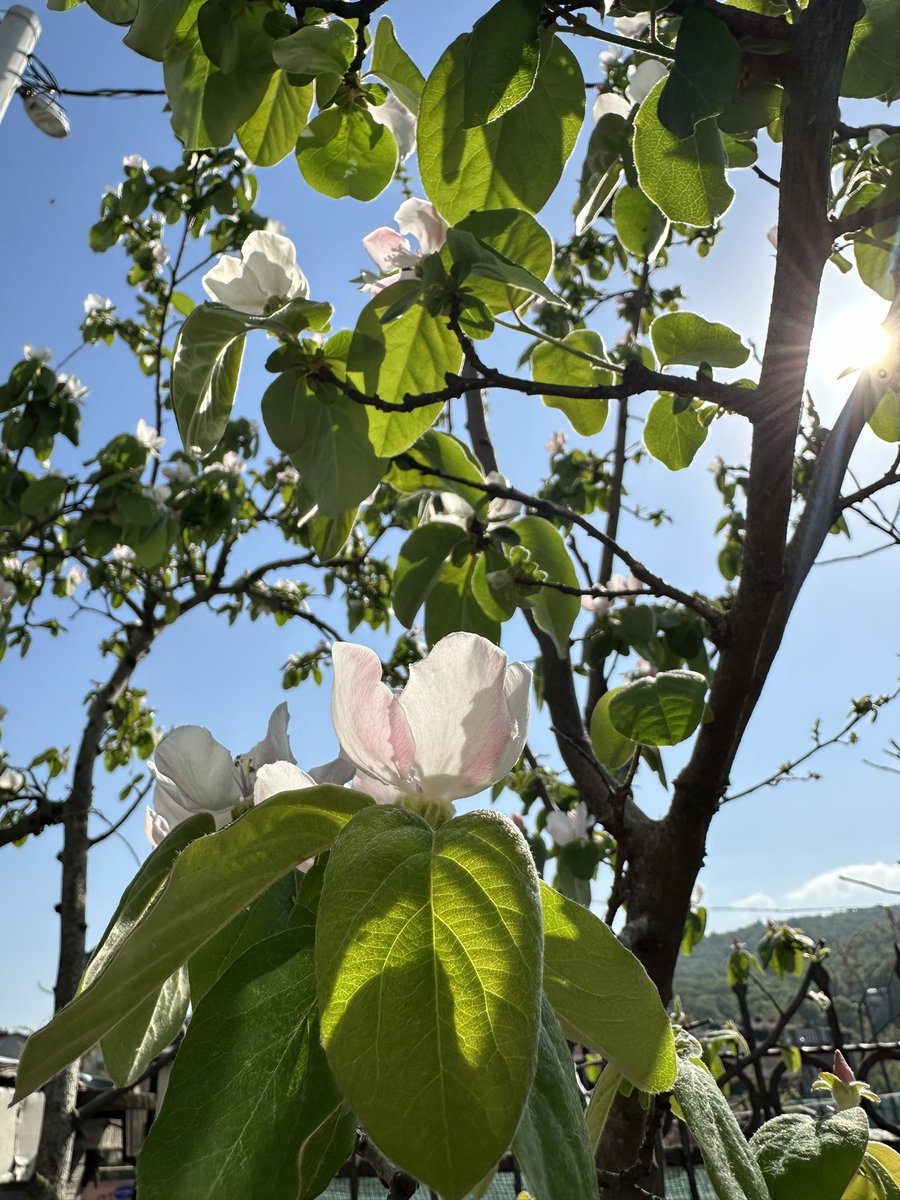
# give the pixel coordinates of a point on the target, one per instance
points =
(49, 116)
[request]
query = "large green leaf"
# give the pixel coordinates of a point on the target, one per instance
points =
(129, 1047)
(640, 225)
(567, 366)
(211, 881)
(443, 453)
(502, 60)
(263, 918)
(600, 1105)
(602, 995)
(317, 49)
(454, 603)
(611, 747)
(871, 68)
(704, 76)
(205, 373)
(471, 256)
(731, 1167)
(392, 64)
(428, 954)
(154, 24)
(551, 1143)
(229, 101)
(554, 611)
(344, 151)
(409, 354)
(517, 160)
(602, 168)
(186, 72)
(272, 131)
(517, 236)
(661, 710)
(803, 1158)
(419, 565)
(885, 420)
(684, 337)
(684, 177)
(236, 37)
(673, 436)
(252, 1065)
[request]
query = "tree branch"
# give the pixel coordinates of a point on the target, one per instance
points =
(865, 218)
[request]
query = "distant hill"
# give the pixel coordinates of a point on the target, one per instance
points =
(863, 956)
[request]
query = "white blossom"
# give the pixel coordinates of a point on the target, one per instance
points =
(8, 592)
(159, 252)
(178, 471)
(391, 251)
(72, 387)
(136, 162)
(632, 27)
(75, 577)
(264, 278)
(11, 780)
(94, 302)
(397, 118)
(149, 438)
(458, 726)
(39, 354)
(556, 443)
(571, 826)
(643, 79)
(122, 553)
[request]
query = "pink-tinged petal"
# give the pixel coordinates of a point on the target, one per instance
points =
(196, 771)
(338, 771)
(420, 219)
(275, 777)
(276, 745)
(455, 703)
(371, 727)
(388, 250)
(381, 793)
(400, 121)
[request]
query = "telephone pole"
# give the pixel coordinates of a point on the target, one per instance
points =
(19, 32)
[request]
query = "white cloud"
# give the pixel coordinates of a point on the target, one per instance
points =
(755, 900)
(830, 889)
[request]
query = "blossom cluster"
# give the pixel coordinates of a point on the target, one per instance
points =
(456, 728)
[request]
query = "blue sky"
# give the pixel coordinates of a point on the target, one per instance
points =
(782, 847)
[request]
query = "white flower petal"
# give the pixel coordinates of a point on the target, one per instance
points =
(633, 27)
(196, 771)
(275, 777)
(610, 102)
(338, 771)
(642, 79)
(381, 793)
(371, 727)
(388, 250)
(456, 706)
(229, 284)
(561, 828)
(517, 690)
(400, 121)
(276, 745)
(168, 809)
(272, 260)
(420, 219)
(155, 827)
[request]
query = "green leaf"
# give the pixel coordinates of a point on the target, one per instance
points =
(502, 58)
(520, 239)
(885, 420)
(739, 155)
(684, 177)
(566, 366)
(419, 565)
(391, 63)
(453, 603)
(659, 711)
(205, 373)
(444, 453)
(472, 256)
(871, 68)
(266, 916)
(251, 1056)
(551, 1142)
(272, 131)
(408, 355)
(428, 955)
(611, 748)
(129, 1047)
(236, 37)
(605, 1091)
(326, 435)
(802, 1158)
(212, 881)
(602, 995)
(640, 226)
(42, 497)
(683, 337)
(153, 26)
(729, 1163)
(602, 168)
(345, 152)
(674, 437)
(754, 107)
(117, 12)
(229, 101)
(186, 72)
(704, 76)
(317, 49)
(555, 612)
(517, 160)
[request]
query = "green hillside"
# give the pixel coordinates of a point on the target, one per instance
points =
(862, 944)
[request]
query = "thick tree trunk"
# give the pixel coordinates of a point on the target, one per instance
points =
(54, 1159)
